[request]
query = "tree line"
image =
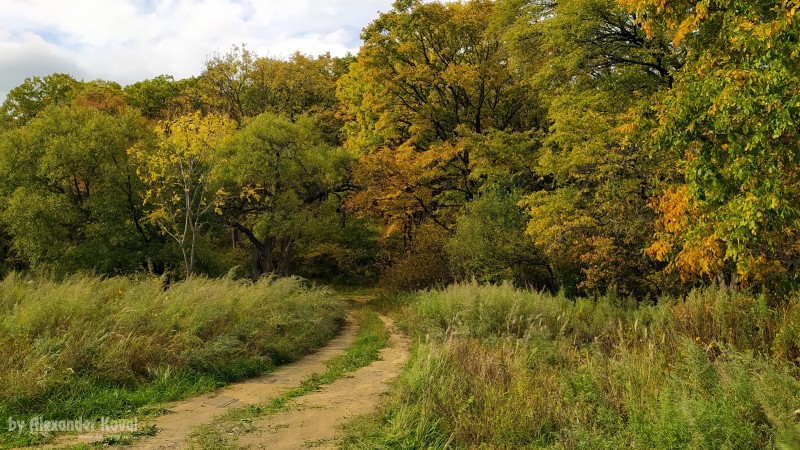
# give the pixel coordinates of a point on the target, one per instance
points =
(637, 146)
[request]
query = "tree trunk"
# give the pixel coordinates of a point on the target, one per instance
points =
(187, 262)
(257, 270)
(259, 251)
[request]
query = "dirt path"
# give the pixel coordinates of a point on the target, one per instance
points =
(315, 420)
(175, 426)
(315, 417)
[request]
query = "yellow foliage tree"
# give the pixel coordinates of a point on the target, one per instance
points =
(731, 118)
(428, 80)
(181, 171)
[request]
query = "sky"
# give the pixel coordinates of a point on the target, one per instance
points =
(132, 40)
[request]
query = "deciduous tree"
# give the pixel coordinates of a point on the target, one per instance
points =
(182, 174)
(278, 173)
(35, 94)
(429, 77)
(69, 194)
(593, 221)
(731, 118)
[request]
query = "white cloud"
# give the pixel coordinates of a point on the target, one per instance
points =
(131, 40)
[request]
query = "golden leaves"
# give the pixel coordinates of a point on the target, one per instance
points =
(180, 170)
(694, 251)
(683, 29)
(691, 23)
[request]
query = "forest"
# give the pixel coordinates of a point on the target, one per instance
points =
(642, 147)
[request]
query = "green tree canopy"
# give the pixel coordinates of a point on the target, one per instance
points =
(428, 80)
(35, 94)
(593, 221)
(731, 118)
(69, 193)
(278, 172)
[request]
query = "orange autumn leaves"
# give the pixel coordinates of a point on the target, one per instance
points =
(732, 118)
(692, 253)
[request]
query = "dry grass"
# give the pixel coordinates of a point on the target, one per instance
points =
(497, 367)
(89, 347)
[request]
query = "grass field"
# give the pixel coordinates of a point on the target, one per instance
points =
(90, 348)
(496, 367)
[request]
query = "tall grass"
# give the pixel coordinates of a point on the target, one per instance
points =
(89, 347)
(496, 367)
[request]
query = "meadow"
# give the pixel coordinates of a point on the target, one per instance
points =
(498, 367)
(87, 347)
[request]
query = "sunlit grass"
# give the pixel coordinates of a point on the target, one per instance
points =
(89, 347)
(498, 367)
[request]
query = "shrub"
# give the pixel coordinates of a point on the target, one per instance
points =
(423, 265)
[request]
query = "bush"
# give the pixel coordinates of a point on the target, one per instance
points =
(490, 245)
(424, 264)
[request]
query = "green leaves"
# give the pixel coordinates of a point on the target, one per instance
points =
(27, 100)
(278, 175)
(430, 81)
(590, 215)
(67, 186)
(732, 117)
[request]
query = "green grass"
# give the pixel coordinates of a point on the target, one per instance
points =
(371, 337)
(357, 291)
(497, 367)
(91, 348)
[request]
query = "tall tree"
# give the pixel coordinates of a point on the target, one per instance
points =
(69, 194)
(155, 98)
(292, 87)
(731, 119)
(594, 221)
(429, 78)
(182, 173)
(225, 79)
(243, 85)
(102, 95)
(26, 101)
(278, 172)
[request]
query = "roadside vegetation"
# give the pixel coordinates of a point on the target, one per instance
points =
(90, 348)
(498, 367)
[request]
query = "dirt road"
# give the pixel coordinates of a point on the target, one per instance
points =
(312, 421)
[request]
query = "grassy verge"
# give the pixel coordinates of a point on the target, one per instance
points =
(496, 367)
(89, 348)
(222, 433)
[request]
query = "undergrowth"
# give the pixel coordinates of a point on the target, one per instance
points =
(497, 367)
